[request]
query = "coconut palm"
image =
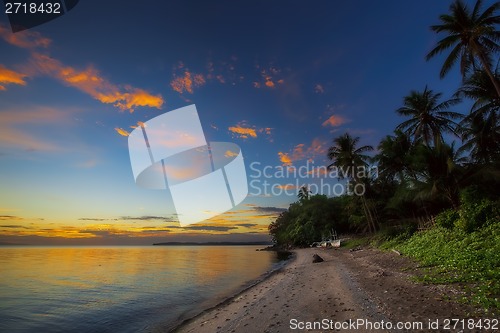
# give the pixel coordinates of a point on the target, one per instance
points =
(479, 88)
(429, 118)
(481, 137)
(347, 156)
(471, 36)
(393, 156)
(439, 173)
(304, 193)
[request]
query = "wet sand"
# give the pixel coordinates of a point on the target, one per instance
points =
(347, 292)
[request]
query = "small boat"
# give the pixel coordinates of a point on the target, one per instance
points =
(330, 243)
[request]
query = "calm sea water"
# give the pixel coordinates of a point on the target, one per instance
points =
(119, 289)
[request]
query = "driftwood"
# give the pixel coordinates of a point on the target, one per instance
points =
(396, 251)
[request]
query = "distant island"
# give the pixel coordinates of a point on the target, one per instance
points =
(212, 243)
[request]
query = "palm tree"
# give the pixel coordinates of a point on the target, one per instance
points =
(304, 193)
(393, 156)
(481, 137)
(348, 157)
(481, 90)
(439, 173)
(472, 37)
(429, 118)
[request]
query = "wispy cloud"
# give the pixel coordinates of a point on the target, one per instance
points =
(26, 39)
(149, 218)
(209, 228)
(334, 121)
(270, 209)
(8, 76)
(286, 187)
(12, 136)
(187, 82)
(92, 83)
(285, 159)
(121, 131)
(319, 89)
(303, 152)
(230, 153)
(10, 218)
(243, 132)
(270, 77)
(14, 226)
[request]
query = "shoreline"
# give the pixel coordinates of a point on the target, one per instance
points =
(367, 284)
(227, 299)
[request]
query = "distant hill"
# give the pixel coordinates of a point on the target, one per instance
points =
(212, 243)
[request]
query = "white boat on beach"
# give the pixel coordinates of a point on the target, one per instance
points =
(330, 243)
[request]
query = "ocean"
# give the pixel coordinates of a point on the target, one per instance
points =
(120, 288)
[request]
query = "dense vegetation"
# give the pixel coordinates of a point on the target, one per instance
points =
(439, 171)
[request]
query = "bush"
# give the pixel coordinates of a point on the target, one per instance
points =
(475, 212)
(447, 218)
(457, 256)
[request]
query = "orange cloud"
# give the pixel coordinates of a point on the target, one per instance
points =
(26, 39)
(334, 121)
(187, 82)
(243, 132)
(302, 152)
(269, 83)
(8, 76)
(121, 131)
(91, 82)
(285, 159)
(286, 187)
(269, 78)
(230, 153)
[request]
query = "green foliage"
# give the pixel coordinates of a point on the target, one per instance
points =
(310, 220)
(355, 242)
(390, 237)
(475, 211)
(446, 219)
(457, 256)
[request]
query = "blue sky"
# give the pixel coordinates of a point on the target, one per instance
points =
(281, 79)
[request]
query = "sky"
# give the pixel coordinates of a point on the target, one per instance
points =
(280, 79)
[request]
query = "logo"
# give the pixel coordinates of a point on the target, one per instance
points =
(170, 152)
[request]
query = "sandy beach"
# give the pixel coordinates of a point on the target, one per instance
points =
(361, 291)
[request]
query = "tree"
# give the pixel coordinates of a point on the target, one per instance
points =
(479, 88)
(480, 129)
(481, 137)
(429, 118)
(304, 193)
(349, 158)
(471, 36)
(393, 157)
(439, 173)
(346, 155)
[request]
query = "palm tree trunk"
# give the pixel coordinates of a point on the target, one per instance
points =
(492, 78)
(368, 214)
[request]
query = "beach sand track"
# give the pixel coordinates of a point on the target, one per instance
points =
(368, 284)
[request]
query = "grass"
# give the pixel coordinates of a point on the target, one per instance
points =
(454, 256)
(355, 242)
